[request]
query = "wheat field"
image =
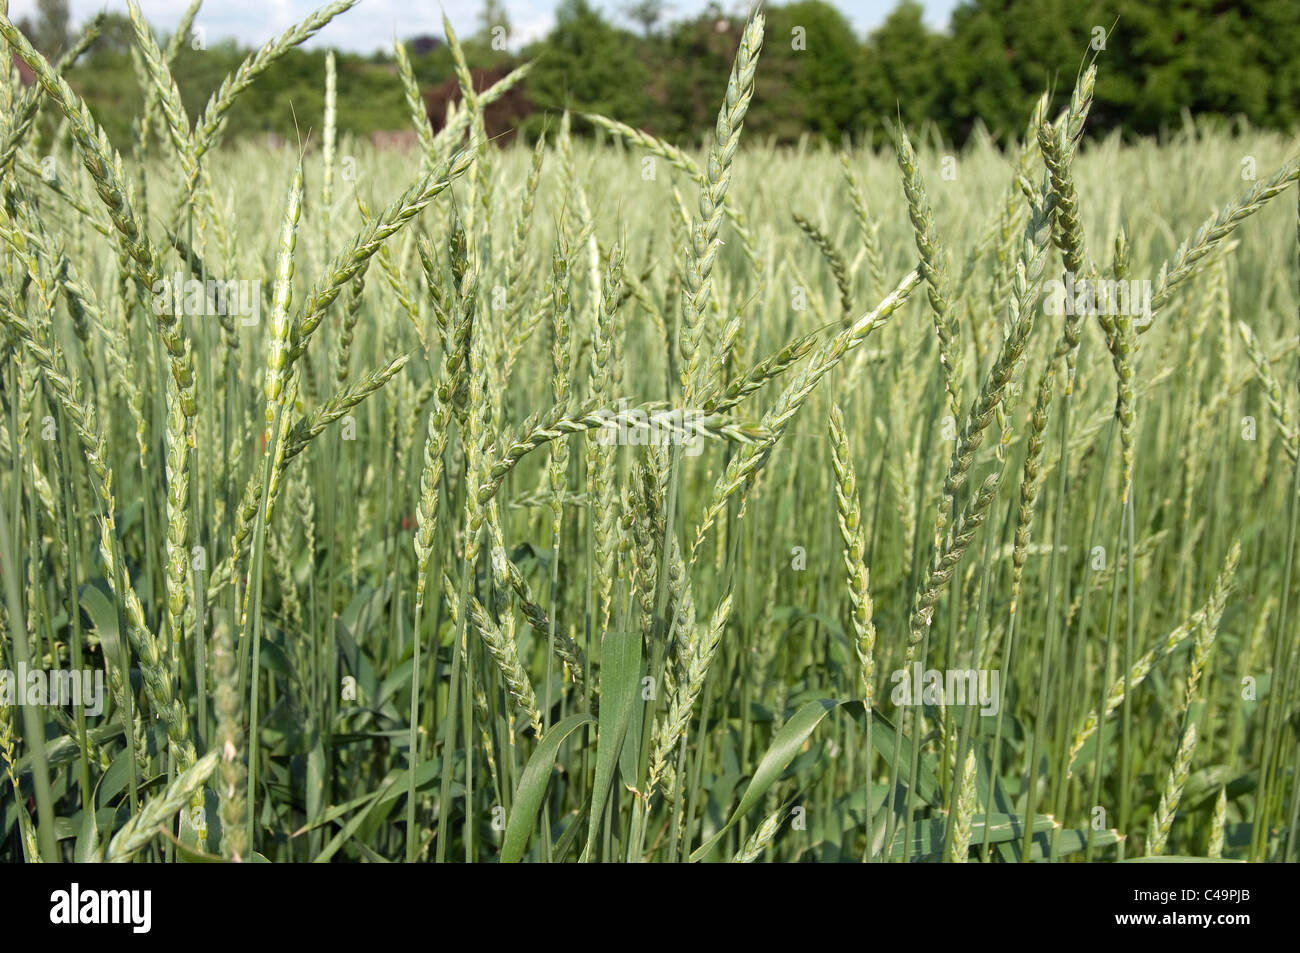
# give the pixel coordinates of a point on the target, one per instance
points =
(600, 500)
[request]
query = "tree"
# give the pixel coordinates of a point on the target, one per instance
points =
(51, 33)
(648, 13)
(1205, 56)
(491, 18)
(116, 34)
(1001, 57)
(902, 68)
(586, 64)
(812, 65)
(692, 79)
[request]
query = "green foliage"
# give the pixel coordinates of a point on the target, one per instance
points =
(814, 66)
(901, 68)
(1161, 58)
(587, 65)
(51, 34)
(1001, 56)
(1204, 56)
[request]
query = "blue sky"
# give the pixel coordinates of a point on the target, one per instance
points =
(373, 23)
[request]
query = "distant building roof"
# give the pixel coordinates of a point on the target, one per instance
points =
(420, 45)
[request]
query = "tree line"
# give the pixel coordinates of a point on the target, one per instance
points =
(1233, 59)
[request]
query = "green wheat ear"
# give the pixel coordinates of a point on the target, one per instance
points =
(933, 267)
(713, 192)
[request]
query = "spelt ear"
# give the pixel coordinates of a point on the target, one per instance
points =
(703, 239)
